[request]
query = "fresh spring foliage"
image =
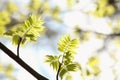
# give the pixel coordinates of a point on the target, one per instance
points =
(66, 44)
(11, 7)
(7, 70)
(4, 19)
(30, 30)
(65, 61)
(104, 8)
(93, 66)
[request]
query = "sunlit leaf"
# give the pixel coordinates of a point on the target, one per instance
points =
(53, 61)
(15, 39)
(68, 68)
(30, 30)
(68, 58)
(66, 44)
(93, 65)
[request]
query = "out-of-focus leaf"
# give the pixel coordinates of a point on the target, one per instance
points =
(11, 7)
(70, 3)
(46, 7)
(117, 41)
(93, 65)
(104, 9)
(100, 36)
(2, 30)
(118, 22)
(1, 67)
(110, 10)
(7, 70)
(69, 77)
(4, 18)
(93, 61)
(55, 13)
(103, 3)
(34, 5)
(53, 60)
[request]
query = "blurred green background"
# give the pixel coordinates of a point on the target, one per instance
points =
(95, 22)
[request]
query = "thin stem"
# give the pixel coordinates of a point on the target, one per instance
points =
(20, 40)
(57, 76)
(22, 63)
(60, 65)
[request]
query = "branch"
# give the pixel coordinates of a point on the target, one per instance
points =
(21, 62)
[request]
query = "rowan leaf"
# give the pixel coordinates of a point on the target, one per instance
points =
(30, 30)
(69, 68)
(53, 61)
(66, 44)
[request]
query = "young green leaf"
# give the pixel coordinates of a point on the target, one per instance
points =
(15, 39)
(68, 68)
(68, 58)
(30, 30)
(66, 44)
(53, 60)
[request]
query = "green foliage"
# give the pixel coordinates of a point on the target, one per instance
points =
(53, 60)
(34, 5)
(11, 7)
(68, 68)
(4, 18)
(2, 30)
(7, 70)
(66, 44)
(68, 58)
(104, 9)
(68, 77)
(93, 65)
(65, 61)
(30, 30)
(15, 39)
